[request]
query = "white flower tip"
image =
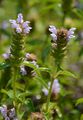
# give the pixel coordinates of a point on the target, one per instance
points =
(72, 29)
(18, 30)
(20, 15)
(54, 37)
(12, 21)
(45, 91)
(27, 55)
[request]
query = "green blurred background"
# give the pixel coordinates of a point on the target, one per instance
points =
(41, 14)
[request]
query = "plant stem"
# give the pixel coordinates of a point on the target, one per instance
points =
(15, 70)
(49, 95)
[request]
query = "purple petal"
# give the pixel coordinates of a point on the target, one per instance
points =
(25, 24)
(7, 118)
(56, 87)
(6, 56)
(54, 37)
(53, 29)
(20, 18)
(27, 30)
(45, 91)
(22, 70)
(13, 23)
(3, 110)
(18, 30)
(12, 113)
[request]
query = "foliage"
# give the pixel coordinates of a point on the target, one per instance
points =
(23, 77)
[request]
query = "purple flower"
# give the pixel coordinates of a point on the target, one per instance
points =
(53, 29)
(6, 56)
(23, 71)
(20, 18)
(55, 88)
(45, 90)
(13, 23)
(27, 55)
(8, 114)
(71, 33)
(20, 26)
(7, 118)
(54, 32)
(25, 24)
(27, 30)
(3, 111)
(18, 29)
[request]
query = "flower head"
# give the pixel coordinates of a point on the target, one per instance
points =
(68, 34)
(20, 26)
(3, 111)
(60, 38)
(8, 114)
(55, 88)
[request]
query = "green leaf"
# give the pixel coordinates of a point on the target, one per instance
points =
(26, 63)
(81, 118)
(24, 94)
(52, 106)
(67, 73)
(4, 65)
(30, 105)
(8, 93)
(44, 69)
(19, 86)
(80, 100)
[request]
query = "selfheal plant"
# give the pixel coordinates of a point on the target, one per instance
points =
(20, 30)
(60, 39)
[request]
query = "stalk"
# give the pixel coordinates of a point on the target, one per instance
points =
(49, 96)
